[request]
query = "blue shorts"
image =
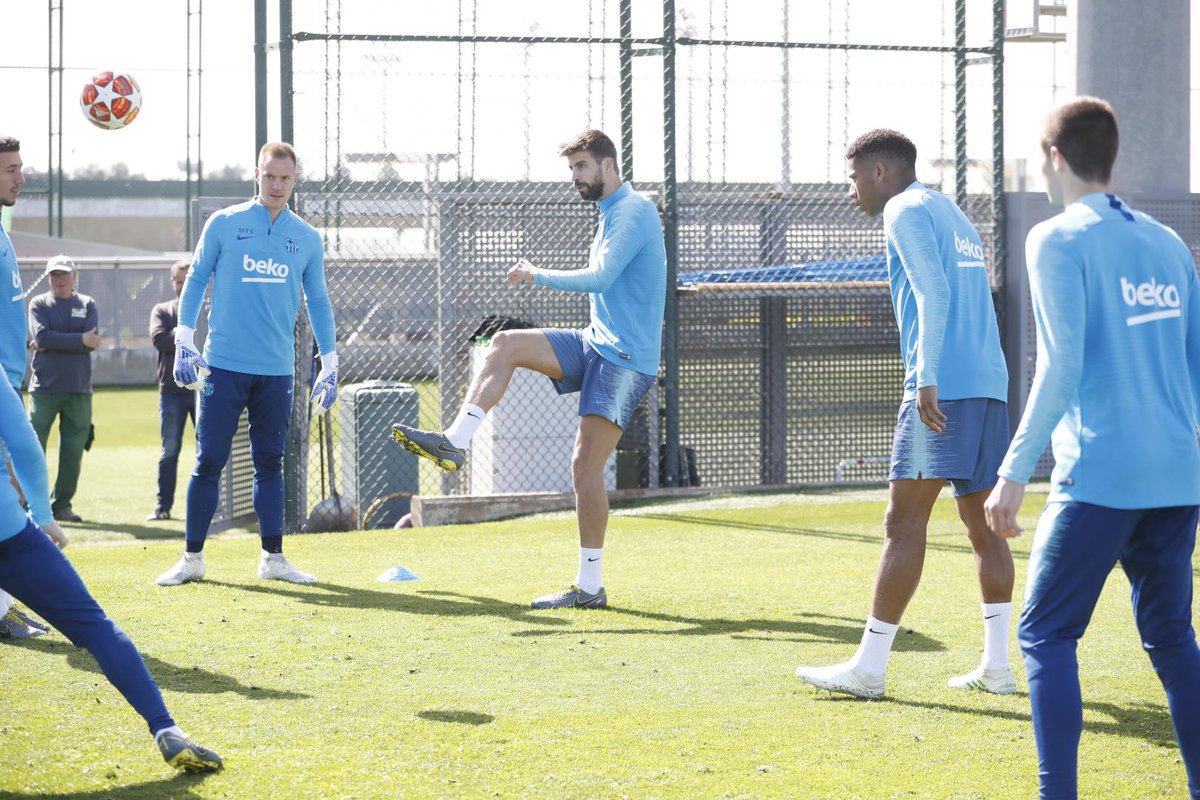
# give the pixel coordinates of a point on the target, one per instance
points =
(605, 389)
(967, 453)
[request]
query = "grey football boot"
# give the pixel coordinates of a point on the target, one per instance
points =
(15, 625)
(430, 444)
(28, 620)
(572, 597)
(182, 753)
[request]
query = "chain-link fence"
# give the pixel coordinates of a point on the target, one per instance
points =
(431, 167)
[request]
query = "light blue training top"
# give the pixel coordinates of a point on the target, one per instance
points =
(1117, 305)
(13, 323)
(627, 278)
(943, 300)
(29, 464)
(258, 269)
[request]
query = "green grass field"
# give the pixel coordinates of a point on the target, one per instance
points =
(451, 686)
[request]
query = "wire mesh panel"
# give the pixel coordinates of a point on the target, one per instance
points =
(424, 213)
(431, 168)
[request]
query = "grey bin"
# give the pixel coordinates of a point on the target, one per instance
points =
(379, 474)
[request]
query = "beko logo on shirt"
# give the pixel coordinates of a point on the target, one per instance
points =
(275, 273)
(1152, 294)
(966, 247)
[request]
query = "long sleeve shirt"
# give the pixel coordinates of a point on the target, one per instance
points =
(13, 323)
(1117, 306)
(942, 298)
(260, 270)
(626, 277)
(164, 318)
(61, 364)
(29, 465)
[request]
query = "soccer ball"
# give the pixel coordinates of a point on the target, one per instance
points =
(111, 100)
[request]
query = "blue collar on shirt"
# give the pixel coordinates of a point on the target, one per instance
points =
(607, 203)
(266, 212)
(1099, 201)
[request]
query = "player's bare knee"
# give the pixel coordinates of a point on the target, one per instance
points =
(587, 466)
(981, 537)
(901, 523)
(503, 349)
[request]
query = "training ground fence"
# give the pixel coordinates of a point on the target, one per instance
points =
(429, 143)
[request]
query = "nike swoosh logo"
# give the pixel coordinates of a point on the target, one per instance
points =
(240, 237)
(476, 416)
(993, 616)
(443, 449)
(881, 633)
(593, 559)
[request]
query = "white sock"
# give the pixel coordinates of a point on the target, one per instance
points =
(996, 619)
(173, 729)
(876, 646)
(6, 602)
(588, 578)
(469, 418)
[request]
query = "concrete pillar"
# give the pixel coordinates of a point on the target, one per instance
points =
(1136, 55)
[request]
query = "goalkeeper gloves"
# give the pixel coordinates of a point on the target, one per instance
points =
(190, 367)
(324, 393)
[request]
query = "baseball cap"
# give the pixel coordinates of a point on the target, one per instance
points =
(60, 263)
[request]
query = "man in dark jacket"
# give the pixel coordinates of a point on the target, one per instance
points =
(175, 404)
(62, 324)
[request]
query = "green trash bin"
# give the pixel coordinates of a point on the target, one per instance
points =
(378, 474)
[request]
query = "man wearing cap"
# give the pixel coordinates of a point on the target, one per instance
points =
(62, 324)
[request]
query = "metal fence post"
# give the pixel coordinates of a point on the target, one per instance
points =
(295, 451)
(671, 240)
(117, 295)
(999, 246)
(260, 75)
(773, 311)
(286, 113)
(960, 103)
(450, 283)
(626, 88)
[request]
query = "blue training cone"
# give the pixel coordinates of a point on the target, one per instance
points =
(398, 574)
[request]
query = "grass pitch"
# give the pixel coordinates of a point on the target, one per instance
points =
(451, 686)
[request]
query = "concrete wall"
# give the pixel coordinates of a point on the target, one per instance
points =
(1136, 55)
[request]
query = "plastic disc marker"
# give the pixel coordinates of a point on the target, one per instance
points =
(398, 574)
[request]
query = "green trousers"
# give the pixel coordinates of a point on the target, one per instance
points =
(74, 413)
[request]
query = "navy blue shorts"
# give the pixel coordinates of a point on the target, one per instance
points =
(605, 389)
(967, 453)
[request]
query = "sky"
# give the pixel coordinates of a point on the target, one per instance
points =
(409, 99)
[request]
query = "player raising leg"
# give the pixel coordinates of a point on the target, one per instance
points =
(611, 363)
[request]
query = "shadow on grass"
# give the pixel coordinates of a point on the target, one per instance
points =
(809, 628)
(193, 680)
(460, 717)
(933, 542)
(175, 788)
(428, 602)
(1150, 723)
(128, 528)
